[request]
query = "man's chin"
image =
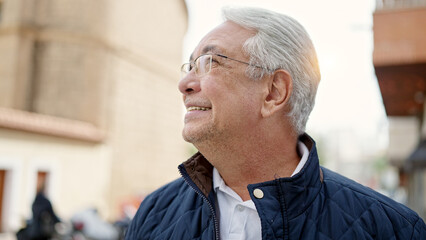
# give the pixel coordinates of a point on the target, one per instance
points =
(194, 135)
(191, 138)
(186, 138)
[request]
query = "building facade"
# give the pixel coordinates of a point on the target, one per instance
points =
(88, 103)
(400, 64)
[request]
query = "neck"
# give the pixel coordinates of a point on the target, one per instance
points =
(252, 158)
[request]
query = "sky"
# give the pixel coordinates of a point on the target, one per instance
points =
(348, 96)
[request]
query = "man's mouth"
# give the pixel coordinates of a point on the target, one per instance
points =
(189, 109)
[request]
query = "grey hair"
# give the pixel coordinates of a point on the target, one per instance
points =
(281, 43)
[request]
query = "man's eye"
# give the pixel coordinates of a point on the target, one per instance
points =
(215, 60)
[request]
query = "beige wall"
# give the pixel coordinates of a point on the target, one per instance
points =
(149, 29)
(146, 109)
(145, 131)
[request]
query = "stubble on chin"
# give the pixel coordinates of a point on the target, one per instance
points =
(199, 135)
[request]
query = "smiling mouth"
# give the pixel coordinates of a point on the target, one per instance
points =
(198, 109)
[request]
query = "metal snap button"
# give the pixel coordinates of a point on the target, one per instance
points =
(258, 193)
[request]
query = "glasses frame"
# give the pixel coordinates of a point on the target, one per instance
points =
(187, 67)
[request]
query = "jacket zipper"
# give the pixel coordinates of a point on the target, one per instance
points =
(190, 183)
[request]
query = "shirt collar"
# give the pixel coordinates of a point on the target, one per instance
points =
(304, 151)
(217, 180)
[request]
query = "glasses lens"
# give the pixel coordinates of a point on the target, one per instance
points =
(186, 68)
(203, 64)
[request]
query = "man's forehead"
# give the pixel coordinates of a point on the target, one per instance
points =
(211, 48)
(227, 34)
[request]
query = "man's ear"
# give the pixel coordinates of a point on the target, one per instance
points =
(280, 86)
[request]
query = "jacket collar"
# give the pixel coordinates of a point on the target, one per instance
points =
(197, 170)
(297, 191)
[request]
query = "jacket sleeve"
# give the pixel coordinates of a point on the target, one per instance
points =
(419, 231)
(135, 230)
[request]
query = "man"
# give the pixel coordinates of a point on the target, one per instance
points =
(248, 90)
(42, 226)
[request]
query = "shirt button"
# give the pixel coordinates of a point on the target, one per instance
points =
(258, 193)
(240, 208)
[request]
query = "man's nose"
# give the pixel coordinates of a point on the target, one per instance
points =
(189, 84)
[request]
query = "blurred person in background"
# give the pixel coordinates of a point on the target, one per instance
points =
(42, 224)
(249, 89)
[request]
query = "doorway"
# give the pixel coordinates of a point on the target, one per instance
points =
(42, 181)
(2, 184)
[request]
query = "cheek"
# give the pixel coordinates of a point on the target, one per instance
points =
(215, 92)
(251, 104)
(232, 97)
(240, 105)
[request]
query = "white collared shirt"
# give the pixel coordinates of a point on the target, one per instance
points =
(238, 219)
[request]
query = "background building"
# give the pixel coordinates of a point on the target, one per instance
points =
(88, 103)
(400, 65)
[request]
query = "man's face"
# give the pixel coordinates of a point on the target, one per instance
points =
(223, 104)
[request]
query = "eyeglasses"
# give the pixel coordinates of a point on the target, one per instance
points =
(203, 64)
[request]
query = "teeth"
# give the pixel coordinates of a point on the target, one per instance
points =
(198, 109)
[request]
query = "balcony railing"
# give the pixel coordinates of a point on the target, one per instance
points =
(398, 4)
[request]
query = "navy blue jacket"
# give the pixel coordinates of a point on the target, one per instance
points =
(316, 203)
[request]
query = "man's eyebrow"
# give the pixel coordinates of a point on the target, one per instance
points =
(206, 49)
(210, 48)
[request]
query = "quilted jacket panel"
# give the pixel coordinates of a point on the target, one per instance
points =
(172, 212)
